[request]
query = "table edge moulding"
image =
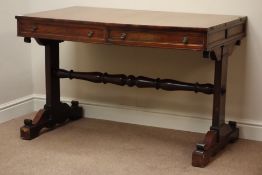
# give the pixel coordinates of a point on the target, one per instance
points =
(213, 35)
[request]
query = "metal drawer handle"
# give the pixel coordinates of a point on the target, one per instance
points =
(90, 34)
(123, 36)
(185, 40)
(34, 28)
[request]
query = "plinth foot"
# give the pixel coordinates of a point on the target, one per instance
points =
(215, 140)
(50, 118)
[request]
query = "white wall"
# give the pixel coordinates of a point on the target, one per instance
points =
(15, 59)
(245, 66)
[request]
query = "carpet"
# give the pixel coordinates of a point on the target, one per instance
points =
(98, 147)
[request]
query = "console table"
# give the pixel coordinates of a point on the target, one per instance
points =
(213, 35)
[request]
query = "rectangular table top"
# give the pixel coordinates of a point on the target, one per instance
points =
(134, 27)
(137, 17)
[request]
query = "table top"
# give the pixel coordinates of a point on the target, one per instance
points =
(134, 27)
(137, 17)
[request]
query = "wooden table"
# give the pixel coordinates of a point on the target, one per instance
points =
(214, 35)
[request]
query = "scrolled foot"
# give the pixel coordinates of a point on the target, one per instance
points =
(235, 135)
(201, 156)
(215, 140)
(76, 111)
(31, 128)
(28, 133)
(49, 118)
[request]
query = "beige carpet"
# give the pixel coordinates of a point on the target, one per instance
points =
(96, 147)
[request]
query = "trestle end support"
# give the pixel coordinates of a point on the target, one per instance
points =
(50, 118)
(215, 141)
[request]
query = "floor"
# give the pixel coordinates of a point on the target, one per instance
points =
(97, 147)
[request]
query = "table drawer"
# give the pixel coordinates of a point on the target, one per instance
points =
(72, 32)
(157, 38)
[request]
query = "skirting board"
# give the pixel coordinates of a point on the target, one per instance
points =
(16, 108)
(249, 129)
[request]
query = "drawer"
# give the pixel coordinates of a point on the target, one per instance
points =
(172, 39)
(236, 30)
(84, 33)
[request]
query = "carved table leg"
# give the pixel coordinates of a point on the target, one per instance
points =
(220, 133)
(54, 112)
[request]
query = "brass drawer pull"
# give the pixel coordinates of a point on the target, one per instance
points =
(123, 36)
(90, 34)
(185, 40)
(34, 28)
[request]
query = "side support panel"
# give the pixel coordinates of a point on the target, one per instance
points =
(220, 81)
(54, 111)
(52, 81)
(220, 133)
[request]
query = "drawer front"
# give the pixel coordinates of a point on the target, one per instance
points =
(84, 33)
(176, 39)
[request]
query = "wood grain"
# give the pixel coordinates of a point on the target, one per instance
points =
(137, 17)
(140, 28)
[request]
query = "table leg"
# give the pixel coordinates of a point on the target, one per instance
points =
(220, 133)
(54, 112)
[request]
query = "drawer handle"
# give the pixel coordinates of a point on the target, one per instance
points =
(123, 36)
(34, 28)
(185, 40)
(90, 34)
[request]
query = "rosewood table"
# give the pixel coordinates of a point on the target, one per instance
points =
(213, 35)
